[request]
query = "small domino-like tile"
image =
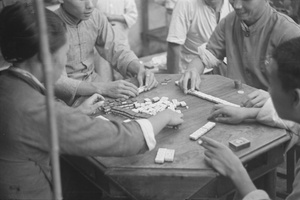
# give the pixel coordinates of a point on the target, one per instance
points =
(160, 156)
(209, 125)
(147, 100)
(198, 133)
(141, 89)
(182, 103)
(239, 144)
(155, 99)
(211, 98)
(169, 155)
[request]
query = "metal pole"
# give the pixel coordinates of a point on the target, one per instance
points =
(46, 60)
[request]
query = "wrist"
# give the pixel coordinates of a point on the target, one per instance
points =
(96, 88)
(242, 181)
(249, 113)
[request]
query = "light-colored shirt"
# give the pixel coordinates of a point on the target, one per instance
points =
(83, 37)
(192, 24)
(126, 8)
(248, 52)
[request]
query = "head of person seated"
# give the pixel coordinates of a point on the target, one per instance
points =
(78, 10)
(19, 39)
(249, 11)
(284, 78)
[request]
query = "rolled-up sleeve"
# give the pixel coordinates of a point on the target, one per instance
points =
(268, 115)
(147, 129)
(257, 195)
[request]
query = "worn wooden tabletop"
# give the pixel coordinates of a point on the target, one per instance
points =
(140, 178)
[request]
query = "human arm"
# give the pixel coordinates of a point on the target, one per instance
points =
(209, 55)
(120, 56)
(173, 58)
(265, 115)
(166, 117)
(224, 161)
(256, 99)
(66, 89)
(84, 136)
(144, 77)
(232, 115)
(115, 18)
(191, 77)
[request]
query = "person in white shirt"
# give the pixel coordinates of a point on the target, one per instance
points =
(193, 22)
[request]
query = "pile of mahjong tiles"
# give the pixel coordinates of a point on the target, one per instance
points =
(132, 108)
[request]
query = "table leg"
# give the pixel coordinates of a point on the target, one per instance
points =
(270, 183)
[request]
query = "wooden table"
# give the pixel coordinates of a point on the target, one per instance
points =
(188, 177)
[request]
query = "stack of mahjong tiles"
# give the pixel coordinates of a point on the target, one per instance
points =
(122, 107)
(133, 109)
(156, 105)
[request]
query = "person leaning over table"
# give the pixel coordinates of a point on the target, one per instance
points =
(193, 22)
(87, 28)
(284, 89)
(247, 38)
(24, 135)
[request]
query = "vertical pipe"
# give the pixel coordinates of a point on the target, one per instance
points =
(48, 71)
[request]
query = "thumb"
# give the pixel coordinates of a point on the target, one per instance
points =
(98, 104)
(140, 80)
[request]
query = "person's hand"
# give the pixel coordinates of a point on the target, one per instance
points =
(256, 99)
(220, 157)
(190, 80)
(143, 75)
(92, 104)
(227, 114)
(175, 118)
(147, 77)
(117, 89)
(226, 163)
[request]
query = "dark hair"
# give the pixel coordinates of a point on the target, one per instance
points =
(287, 56)
(19, 39)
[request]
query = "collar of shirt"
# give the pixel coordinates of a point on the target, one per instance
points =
(66, 17)
(28, 75)
(260, 22)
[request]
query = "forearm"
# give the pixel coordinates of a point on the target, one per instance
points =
(196, 65)
(159, 121)
(173, 58)
(242, 181)
(87, 88)
(116, 18)
(249, 113)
